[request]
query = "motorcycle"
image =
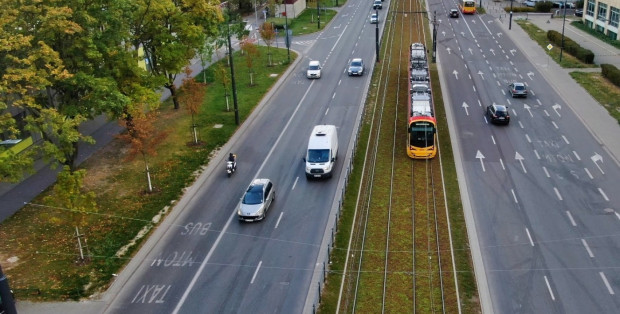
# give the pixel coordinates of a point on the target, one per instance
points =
(231, 166)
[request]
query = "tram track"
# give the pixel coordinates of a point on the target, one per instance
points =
(397, 257)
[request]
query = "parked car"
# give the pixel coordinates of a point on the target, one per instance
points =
(579, 13)
(314, 69)
(374, 18)
(356, 66)
(517, 89)
(498, 114)
(453, 13)
(530, 3)
(256, 200)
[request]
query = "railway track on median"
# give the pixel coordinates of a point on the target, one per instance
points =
(400, 255)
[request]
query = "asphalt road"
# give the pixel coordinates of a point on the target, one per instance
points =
(543, 190)
(204, 260)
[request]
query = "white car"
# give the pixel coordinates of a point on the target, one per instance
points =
(314, 70)
(256, 200)
(374, 18)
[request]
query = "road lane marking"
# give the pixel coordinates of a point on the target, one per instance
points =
(576, 156)
(493, 139)
(528, 138)
(555, 125)
(611, 291)
(565, 139)
(295, 183)
(502, 163)
(549, 287)
(521, 124)
(588, 172)
(557, 193)
(256, 272)
(279, 218)
(536, 153)
(546, 113)
(546, 172)
(585, 244)
(570, 217)
(603, 193)
(617, 215)
(529, 236)
(514, 196)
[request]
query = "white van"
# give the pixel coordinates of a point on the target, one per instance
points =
(314, 69)
(322, 151)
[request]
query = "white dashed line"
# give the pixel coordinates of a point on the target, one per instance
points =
(546, 113)
(611, 291)
(529, 236)
(576, 156)
(557, 193)
(555, 125)
(588, 172)
(502, 163)
(565, 139)
(295, 183)
(256, 272)
(493, 140)
(279, 218)
(570, 217)
(549, 287)
(514, 196)
(536, 153)
(585, 244)
(546, 172)
(528, 138)
(603, 193)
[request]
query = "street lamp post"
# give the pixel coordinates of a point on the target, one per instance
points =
(232, 74)
(286, 36)
(318, 15)
(435, 23)
(510, 20)
(563, 22)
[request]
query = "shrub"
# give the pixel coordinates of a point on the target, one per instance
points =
(519, 9)
(571, 47)
(543, 6)
(611, 73)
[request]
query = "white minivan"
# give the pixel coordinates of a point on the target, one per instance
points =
(322, 152)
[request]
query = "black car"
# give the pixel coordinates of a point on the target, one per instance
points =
(579, 13)
(453, 13)
(498, 114)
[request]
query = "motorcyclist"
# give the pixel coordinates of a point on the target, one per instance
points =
(232, 158)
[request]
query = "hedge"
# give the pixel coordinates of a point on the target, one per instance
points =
(571, 47)
(611, 73)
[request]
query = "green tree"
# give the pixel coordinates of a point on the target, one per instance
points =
(222, 75)
(172, 33)
(268, 34)
(251, 53)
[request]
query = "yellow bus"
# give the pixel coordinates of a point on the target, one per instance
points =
(467, 6)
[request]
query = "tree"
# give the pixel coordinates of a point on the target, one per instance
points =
(172, 33)
(268, 34)
(142, 136)
(222, 75)
(251, 53)
(192, 95)
(68, 193)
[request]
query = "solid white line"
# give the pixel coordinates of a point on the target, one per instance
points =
(514, 196)
(557, 193)
(546, 172)
(611, 291)
(549, 287)
(570, 217)
(603, 193)
(256, 272)
(529, 236)
(295, 183)
(588, 172)
(279, 218)
(565, 139)
(502, 163)
(585, 244)
(537, 156)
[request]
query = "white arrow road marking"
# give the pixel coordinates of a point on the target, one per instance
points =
(596, 157)
(526, 107)
(499, 34)
(481, 74)
(481, 157)
(456, 74)
(520, 159)
(556, 107)
(465, 106)
(492, 51)
(530, 74)
(512, 51)
(448, 49)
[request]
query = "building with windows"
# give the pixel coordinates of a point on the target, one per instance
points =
(603, 16)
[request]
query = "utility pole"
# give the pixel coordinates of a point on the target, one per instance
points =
(286, 34)
(232, 73)
(435, 23)
(377, 34)
(318, 14)
(8, 304)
